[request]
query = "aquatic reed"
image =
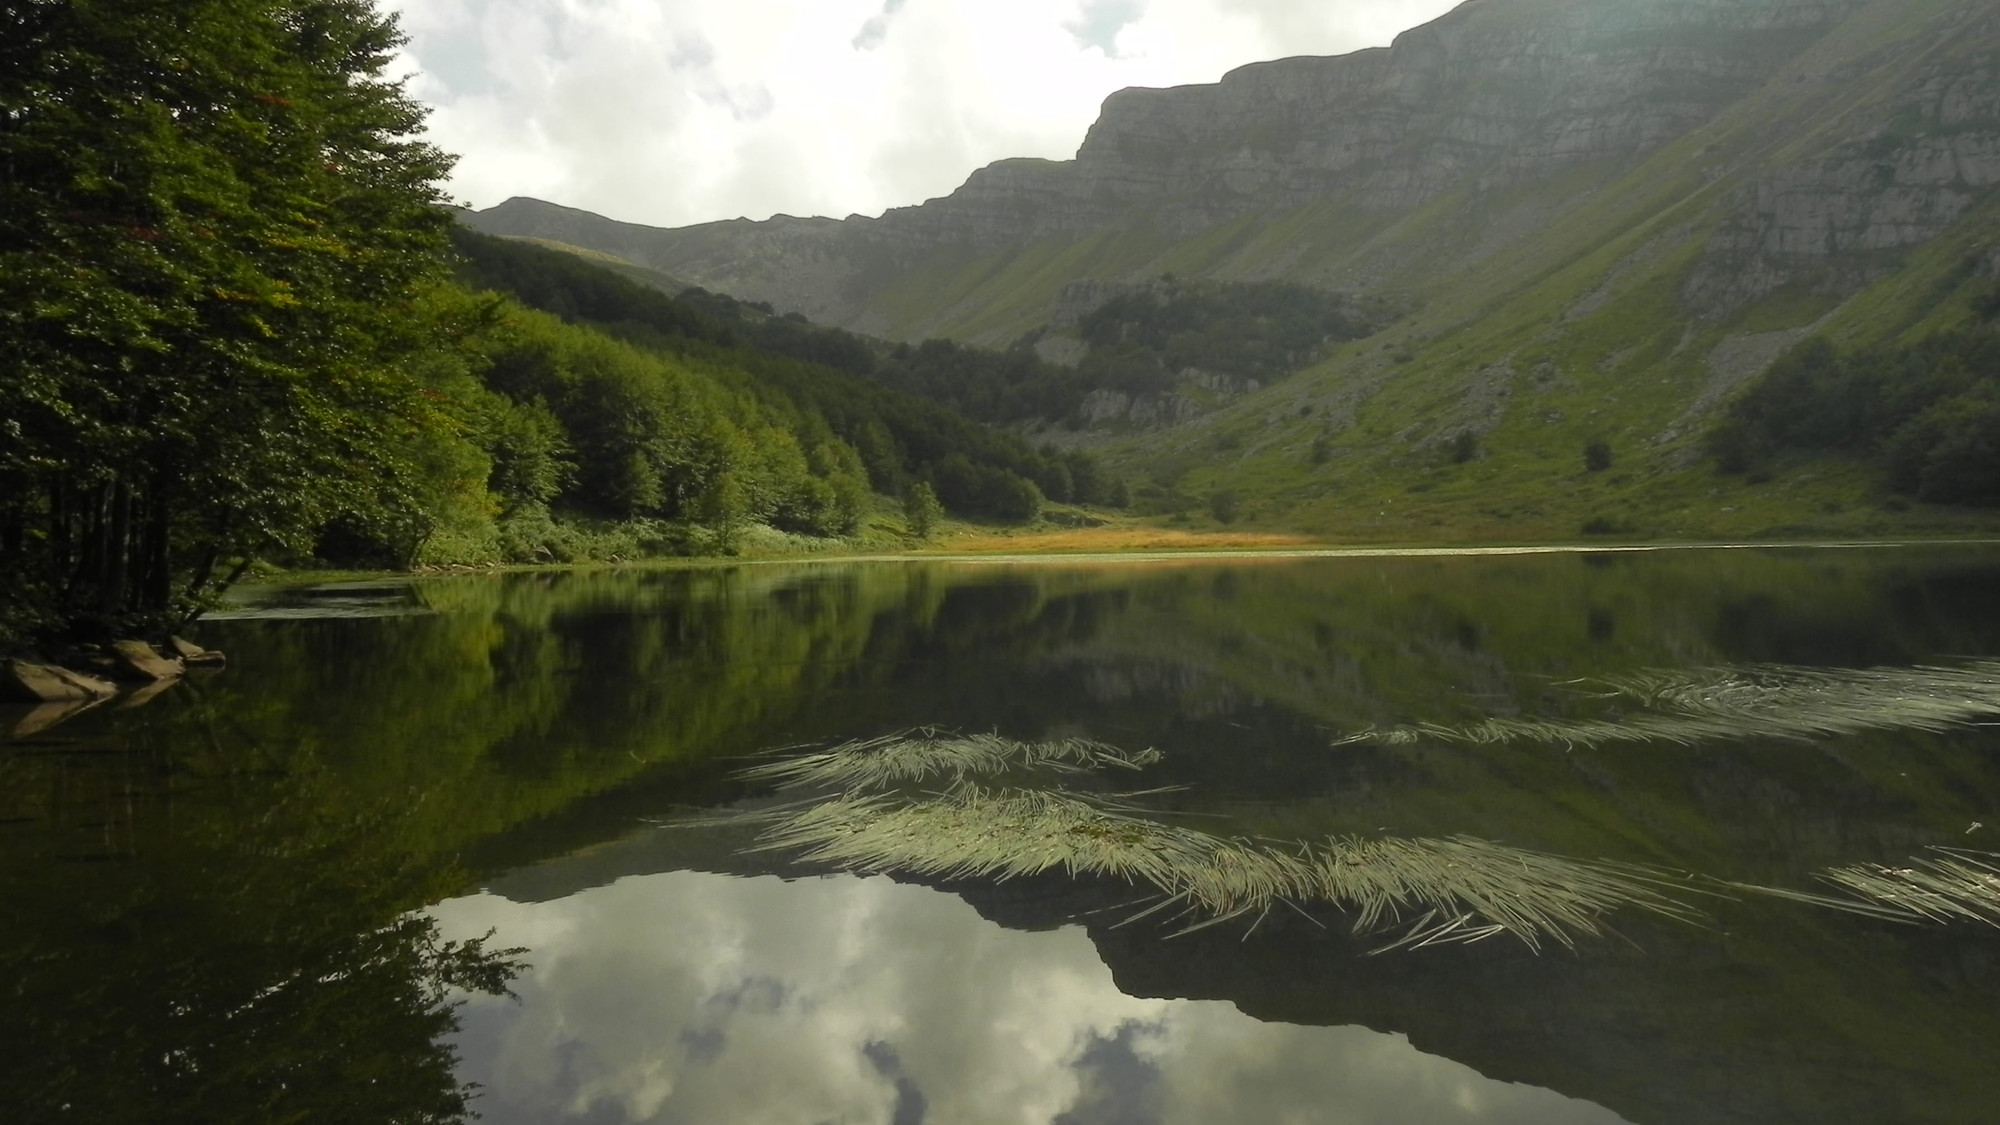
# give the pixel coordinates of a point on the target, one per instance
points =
(1458, 889)
(1951, 885)
(1767, 700)
(921, 756)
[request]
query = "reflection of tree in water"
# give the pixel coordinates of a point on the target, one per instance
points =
(241, 956)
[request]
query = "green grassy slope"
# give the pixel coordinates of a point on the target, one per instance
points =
(1585, 331)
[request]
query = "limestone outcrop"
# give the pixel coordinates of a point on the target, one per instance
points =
(1509, 114)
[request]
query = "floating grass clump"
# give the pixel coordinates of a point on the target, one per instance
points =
(1449, 890)
(1952, 885)
(1765, 700)
(921, 756)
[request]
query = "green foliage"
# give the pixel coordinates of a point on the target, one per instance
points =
(994, 387)
(1986, 304)
(921, 509)
(576, 289)
(1225, 506)
(988, 386)
(213, 228)
(1950, 453)
(1928, 413)
(656, 437)
(269, 964)
(823, 385)
(987, 490)
(1260, 330)
(1596, 455)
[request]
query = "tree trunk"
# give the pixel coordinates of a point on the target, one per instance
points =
(114, 596)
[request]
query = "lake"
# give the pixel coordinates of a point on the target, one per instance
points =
(1661, 837)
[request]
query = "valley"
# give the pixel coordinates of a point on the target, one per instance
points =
(1568, 225)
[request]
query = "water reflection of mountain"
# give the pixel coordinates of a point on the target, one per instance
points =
(1767, 1015)
(534, 724)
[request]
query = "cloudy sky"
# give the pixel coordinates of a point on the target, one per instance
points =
(672, 112)
(687, 997)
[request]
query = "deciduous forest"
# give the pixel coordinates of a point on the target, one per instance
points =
(237, 324)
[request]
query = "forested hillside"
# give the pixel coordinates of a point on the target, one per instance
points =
(815, 375)
(1925, 415)
(234, 327)
(1152, 338)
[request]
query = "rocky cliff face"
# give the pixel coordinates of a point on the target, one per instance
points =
(1914, 166)
(1495, 95)
(1492, 94)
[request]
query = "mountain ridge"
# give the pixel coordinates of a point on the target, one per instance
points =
(1385, 130)
(1605, 216)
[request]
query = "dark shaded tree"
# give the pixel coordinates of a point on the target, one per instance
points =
(1925, 412)
(215, 223)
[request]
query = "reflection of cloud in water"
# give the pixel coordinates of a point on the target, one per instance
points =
(689, 997)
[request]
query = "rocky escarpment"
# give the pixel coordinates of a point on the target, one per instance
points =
(1490, 95)
(1927, 158)
(1497, 93)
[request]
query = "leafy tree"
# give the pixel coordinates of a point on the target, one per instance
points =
(1925, 412)
(214, 226)
(1950, 454)
(921, 510)
(1225, 506)
(864, 415)
(986, 490)
(1261, 330)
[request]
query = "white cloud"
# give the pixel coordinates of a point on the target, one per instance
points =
(695, 997)
(673, 112)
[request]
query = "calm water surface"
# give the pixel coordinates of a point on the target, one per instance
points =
(1636, 778)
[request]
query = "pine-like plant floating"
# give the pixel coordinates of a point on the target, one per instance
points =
(1761, 700)
(923, 756)
(1950, 885)
(1452, 890)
